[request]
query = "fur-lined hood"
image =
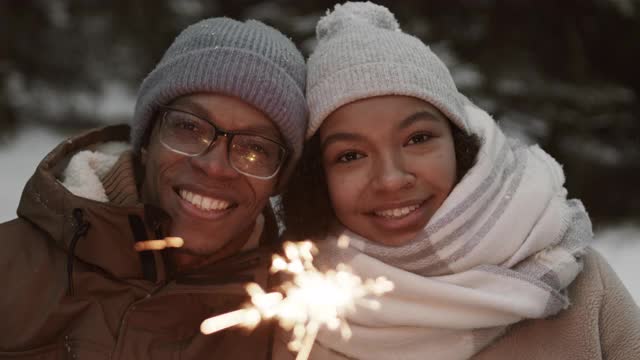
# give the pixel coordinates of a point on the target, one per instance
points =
(58, 202)
(74, 287)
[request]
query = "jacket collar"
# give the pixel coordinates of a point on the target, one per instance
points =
(114, 226)
(108, 241)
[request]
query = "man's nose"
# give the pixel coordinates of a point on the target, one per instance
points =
(215, 162)
(392, 174)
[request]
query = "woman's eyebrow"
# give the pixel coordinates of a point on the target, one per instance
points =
(420, 116)
(341, 136)
(423, 115)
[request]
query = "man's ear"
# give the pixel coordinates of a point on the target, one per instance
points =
(146, 142)
(143, 156)
(278, 187)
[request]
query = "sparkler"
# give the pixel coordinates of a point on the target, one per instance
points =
(312, 299)
(160, 244)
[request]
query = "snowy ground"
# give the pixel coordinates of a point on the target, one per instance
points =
(620, 244)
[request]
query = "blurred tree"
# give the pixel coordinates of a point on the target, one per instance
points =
(563, 74)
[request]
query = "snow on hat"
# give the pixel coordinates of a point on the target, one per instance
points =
(249, 60)
(362, 53)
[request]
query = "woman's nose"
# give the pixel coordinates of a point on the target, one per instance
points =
(392, 174)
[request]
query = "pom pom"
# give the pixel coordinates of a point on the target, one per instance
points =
(355, 13)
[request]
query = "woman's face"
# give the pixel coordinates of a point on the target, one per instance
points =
(390, 163)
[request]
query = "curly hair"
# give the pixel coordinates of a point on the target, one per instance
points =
(305, 206)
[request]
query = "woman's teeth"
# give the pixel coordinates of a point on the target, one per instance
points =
(203, 202)
(397, 213)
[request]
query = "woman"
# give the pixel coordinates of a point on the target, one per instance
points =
(488, 257)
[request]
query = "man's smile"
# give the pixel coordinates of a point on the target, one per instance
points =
(204, 202)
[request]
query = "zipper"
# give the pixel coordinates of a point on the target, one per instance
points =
(68, 348)
(122, 329)
(82, 227)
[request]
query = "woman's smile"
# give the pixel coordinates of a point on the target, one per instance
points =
(386, 181)
(400, 219)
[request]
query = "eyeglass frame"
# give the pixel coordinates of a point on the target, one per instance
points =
(227, 134)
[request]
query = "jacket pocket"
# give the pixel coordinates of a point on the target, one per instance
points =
(48, 352)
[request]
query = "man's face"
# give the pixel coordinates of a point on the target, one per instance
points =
(211, 205)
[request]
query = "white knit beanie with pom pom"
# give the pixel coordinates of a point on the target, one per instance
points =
(362, 53)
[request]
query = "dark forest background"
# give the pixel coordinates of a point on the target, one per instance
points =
(563, 74)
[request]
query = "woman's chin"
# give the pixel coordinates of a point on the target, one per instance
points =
(394, 240)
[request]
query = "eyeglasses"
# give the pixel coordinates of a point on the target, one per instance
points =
(249, 154)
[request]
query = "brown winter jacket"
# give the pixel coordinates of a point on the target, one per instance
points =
(74, 288)
(602, 323)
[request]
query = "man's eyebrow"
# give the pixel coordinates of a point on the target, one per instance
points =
(190, 105)
(263, 130)
(420, 116)
(194, 107)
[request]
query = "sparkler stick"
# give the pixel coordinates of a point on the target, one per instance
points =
(221, 322)
(158, 244)
(308, 340)
(311, 300)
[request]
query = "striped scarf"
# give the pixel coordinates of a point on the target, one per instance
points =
(502, 248)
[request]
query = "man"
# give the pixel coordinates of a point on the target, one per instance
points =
(218, 126)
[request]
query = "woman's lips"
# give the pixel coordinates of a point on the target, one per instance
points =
(398, 217)
(398, 212)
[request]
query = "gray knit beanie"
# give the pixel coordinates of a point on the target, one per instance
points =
(362, 53)
(249, 60)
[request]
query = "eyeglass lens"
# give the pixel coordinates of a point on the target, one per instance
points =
(249, 154)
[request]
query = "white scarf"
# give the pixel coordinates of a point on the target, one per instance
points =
(502, 248)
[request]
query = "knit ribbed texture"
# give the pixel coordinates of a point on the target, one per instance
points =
(362, 53)
(120, 182)
(248, 60)
(502, 248)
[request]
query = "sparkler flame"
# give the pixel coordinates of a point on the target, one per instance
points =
(312, 299)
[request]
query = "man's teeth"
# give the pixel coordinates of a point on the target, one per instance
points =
(203, 202)
(397, 213)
